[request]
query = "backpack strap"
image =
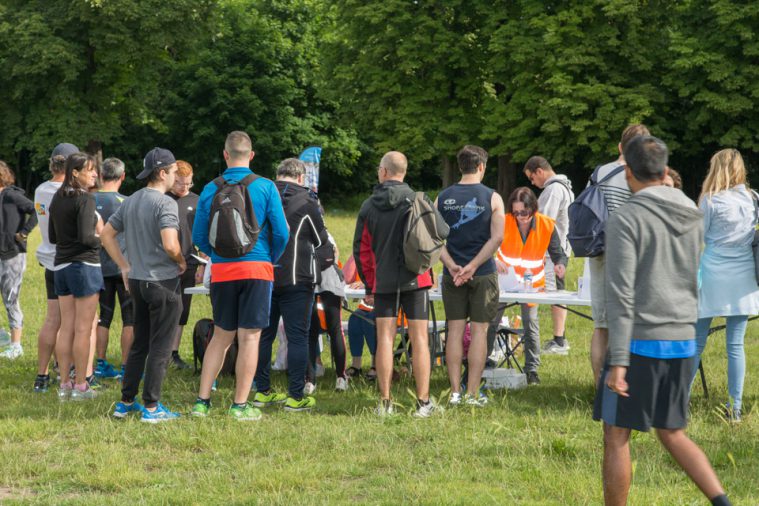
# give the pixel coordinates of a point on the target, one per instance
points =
(614, 172)
(219, 182)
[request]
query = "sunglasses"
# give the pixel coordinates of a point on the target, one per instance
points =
(523, 214)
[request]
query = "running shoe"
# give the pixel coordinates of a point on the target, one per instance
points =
(178, 363)
(95, 383)
(353, 372)
(200, 409)
(533, 378)
(159, 415)
(83, 395)
(104, 370)
(13, 352)
(41, 383)
(304, 404)
(385, 408)
(309, 389)
(455, 399)
(480, 401)
(554, 348)
(426, 409)
(341, 385)
(245, 413)
(123, 409)
(64, 392)
(263, 400)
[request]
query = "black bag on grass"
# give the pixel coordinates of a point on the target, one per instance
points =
(201, 336)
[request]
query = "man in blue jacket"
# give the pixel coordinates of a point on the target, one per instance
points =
(240, 287)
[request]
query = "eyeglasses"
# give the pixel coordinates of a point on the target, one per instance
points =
(523, 214)
(188, 185)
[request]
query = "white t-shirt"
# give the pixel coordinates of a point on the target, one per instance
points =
(615, 190)
(43, 195)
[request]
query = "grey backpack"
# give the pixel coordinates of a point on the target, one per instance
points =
(424, 235)
(232, 226)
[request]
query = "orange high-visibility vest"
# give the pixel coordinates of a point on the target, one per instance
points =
(527, 255)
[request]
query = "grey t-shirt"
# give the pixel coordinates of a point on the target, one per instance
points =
(141, 218)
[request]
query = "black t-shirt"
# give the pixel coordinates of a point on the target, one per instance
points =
(187, 206)
(72, 228)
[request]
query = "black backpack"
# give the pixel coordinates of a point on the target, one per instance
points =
(587, 217)
(232, 226)
(201, 336)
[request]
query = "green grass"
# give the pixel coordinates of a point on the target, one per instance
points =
(534, 446)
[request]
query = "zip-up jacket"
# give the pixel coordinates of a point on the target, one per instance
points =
(17, 216)
(258, 263)
(297, 265)
(378, 241)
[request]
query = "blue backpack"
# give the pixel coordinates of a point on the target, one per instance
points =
(587, 217)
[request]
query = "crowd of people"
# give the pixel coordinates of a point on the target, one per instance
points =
(654, 291)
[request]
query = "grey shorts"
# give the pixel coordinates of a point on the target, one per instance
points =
(476, 300)
(598, 291)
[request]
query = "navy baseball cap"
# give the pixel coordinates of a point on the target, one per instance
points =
(156, 158)
(64, 149)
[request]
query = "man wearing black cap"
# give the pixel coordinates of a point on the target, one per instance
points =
(43, 196)
(149, 220)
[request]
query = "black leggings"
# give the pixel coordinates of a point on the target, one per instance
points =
(112, 286)
(332, 313)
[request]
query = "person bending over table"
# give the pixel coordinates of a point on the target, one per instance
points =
(526, 238)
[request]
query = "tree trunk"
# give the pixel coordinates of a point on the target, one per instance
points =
(507, 176)
(95, 148)
(449, 171)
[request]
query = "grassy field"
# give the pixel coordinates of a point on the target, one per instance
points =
(534, 446)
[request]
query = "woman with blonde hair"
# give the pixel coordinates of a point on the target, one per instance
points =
(727, 283)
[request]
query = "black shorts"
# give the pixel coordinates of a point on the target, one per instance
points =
(244, 303)
(113, 286)
(659, 393)
(50, 285)
(415, 304)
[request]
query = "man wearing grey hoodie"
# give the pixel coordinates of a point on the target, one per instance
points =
(652, 251)
(554, 202)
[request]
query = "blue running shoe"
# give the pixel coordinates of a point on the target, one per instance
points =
(104, 370)
(123, 409)
(161, 414)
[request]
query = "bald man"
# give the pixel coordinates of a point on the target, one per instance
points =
(390, 286)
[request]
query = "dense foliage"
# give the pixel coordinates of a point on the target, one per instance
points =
(520, 77)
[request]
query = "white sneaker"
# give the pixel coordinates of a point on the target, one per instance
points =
(341, 385)
(385, 408)
(455, 399)
(426, 410)
(480, 401)
(13, 352)
(554, 348)
(309, 389)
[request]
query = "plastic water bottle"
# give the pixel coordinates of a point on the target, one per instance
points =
(5, 338)
(528, 281)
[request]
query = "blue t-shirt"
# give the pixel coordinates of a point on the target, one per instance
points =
(663, 349)
(466, 209)
(106, 204)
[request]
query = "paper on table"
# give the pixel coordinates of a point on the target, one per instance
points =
(508, 282)
(200, 259)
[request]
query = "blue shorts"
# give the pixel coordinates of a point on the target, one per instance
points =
(79, 280)
(243, 303)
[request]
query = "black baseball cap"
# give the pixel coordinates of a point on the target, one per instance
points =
(156, 158)
(64, 149)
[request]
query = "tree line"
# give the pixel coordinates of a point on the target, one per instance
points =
(357, 77)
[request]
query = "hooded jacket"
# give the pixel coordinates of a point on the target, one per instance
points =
(297, 265)
(653, 244)
(18, 215)
(378, 241)
(554, 202)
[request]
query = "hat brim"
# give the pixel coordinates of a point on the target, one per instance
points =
(144, 174)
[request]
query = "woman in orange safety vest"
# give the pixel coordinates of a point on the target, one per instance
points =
(528, 235)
